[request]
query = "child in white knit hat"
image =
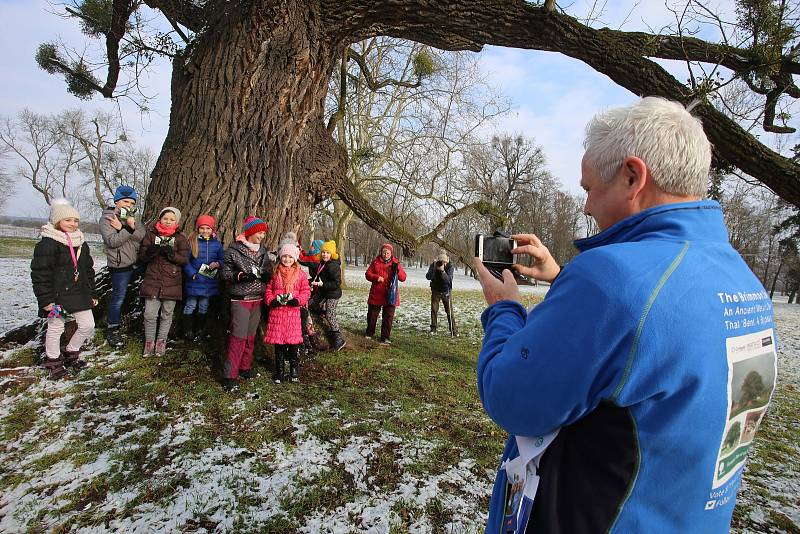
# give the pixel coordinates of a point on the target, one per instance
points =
(62, 272)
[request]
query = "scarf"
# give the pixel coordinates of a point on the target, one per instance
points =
(288, 276)
(163, 230)
(48, 230)
(252, 247)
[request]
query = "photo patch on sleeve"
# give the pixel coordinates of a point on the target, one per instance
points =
(752, 372)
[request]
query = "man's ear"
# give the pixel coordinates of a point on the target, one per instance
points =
(635, 174)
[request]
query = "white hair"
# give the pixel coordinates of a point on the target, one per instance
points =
(660, 132)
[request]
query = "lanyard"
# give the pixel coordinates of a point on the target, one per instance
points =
(72, 254)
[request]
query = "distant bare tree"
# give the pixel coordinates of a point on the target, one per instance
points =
(45, 157)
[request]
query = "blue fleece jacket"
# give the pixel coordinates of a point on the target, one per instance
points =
(207, 252)
(658, 320)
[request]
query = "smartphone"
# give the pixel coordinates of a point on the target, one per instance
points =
(495, 253)
(495, 250)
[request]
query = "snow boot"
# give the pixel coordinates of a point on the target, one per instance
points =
(280, 372)
(56, 367)
(337, 340)
(230, 385)
(294, 373)
(114, 336)
(149, 349)
(72, 360)
(187, 327)
(199, 327)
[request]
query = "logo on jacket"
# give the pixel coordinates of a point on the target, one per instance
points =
(524, 353)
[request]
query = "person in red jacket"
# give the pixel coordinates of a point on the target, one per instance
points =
(384, 272)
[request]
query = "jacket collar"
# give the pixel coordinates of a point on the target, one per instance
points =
(701, 220)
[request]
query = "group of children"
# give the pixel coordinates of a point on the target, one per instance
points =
(189, 269)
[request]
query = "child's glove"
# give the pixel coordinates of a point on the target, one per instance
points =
(168, 252)
(55, 312)
(245, 278)
(274, 303)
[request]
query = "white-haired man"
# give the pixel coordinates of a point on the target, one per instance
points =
(654, 347)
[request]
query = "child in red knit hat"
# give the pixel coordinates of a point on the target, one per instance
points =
(247, 267)
(202, 280)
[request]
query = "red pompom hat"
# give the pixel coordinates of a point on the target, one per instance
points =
(206, 220)
(253, 225)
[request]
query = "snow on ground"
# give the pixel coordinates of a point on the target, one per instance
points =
(17, 302)
(221, 484)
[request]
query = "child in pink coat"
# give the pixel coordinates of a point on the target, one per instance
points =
(286, 292)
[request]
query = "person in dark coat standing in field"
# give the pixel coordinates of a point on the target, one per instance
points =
(165, 250)
(202, 276)
(440, 273)
(384, 272)
(62, 273)
(122, 233)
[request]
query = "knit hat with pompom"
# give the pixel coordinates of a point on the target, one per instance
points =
(61, 209)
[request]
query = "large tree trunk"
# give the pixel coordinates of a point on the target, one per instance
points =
(246, 133)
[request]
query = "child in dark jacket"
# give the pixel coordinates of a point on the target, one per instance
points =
(62, 273)
(326, 287)
(165, 250)
(247, 268)
(201, 272)
(285, 293)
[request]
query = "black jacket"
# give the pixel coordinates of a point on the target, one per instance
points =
(331, 277)
(441, 281)
(53, 277)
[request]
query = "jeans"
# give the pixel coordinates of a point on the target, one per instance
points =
(198, 302)
(119, 286)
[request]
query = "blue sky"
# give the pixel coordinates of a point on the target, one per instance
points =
(553, 96)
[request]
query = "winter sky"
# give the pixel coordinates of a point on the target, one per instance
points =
(553, 96)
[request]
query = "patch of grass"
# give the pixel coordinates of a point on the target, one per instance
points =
(324, 492)
(21, 418)
(24, 357)
(17, 247)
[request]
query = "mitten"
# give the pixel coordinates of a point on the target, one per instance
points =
(274, 303)
(244, 278)
(293, 302)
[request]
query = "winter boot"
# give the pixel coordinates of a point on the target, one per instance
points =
(187, 327)
(161, 347)
(280, 373)
(72, 360)
(199, 327)
(149, 349)
(56, 367)
(230, 384)
(114, 336)
(337, 341)
(294, 373)
(247, 374)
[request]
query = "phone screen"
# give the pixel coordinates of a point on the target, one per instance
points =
(497, 250)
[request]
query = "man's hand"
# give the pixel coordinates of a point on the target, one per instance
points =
(131, 222)
(115, 222)
(544, 267)
(494, 289)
